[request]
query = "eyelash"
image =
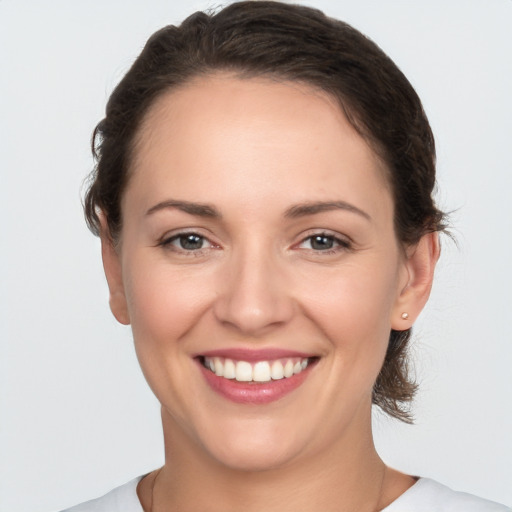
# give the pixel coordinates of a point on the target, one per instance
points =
(337, 244)
(167, 243)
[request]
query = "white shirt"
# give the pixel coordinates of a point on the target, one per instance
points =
(425, 495)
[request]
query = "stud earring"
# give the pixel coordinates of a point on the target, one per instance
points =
(405, 316)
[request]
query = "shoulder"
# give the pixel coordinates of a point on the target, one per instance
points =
(121, 499)
(430, 496)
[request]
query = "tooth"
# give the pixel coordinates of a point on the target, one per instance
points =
(261, 372)
(229, 369)
(243, 371)
(277, 370)
(219, 367)
(288, 368)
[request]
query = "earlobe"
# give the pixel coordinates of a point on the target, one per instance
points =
(114, 275)
(419, 264)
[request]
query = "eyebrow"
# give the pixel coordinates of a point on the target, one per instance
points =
(198, 209)
(301, 210)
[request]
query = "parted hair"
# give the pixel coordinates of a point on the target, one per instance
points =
(287, 43)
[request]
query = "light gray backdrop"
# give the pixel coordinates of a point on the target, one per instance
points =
(76, 415)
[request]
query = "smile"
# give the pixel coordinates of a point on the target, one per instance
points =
(255, 377)
(259, 371)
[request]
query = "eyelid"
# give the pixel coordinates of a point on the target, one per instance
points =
(343, 242)
(169, 237)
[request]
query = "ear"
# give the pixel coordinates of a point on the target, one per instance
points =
(420, 262)
(114, 275)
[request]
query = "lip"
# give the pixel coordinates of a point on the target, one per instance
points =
(254, 355)
(256, 393)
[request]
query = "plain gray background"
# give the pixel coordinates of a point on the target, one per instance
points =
(76, 415)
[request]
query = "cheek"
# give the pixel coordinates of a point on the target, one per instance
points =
(164, 302)
(164, 308)
(353, 307)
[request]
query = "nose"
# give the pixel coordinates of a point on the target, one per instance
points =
(254, 296)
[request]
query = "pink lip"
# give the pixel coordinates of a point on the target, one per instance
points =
(253, 355)
(256, 393)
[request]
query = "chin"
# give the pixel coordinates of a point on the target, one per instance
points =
(252, 458)
(252, 448)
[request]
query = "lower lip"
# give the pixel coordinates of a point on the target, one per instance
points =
(254, 392)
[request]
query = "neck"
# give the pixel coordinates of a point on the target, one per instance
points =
(346, 477)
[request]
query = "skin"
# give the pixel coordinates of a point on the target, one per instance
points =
(252, 149)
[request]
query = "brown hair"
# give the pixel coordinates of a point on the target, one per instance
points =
(294, 43)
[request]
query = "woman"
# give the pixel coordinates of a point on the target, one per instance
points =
(263, 194)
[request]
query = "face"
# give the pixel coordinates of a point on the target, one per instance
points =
(259, 269)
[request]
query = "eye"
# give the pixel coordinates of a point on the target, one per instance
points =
(187, 242)
(321, 242)
(324, 242)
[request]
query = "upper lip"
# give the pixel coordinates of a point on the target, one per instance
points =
(252, 355)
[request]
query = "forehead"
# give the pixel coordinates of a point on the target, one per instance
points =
(248, 133)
